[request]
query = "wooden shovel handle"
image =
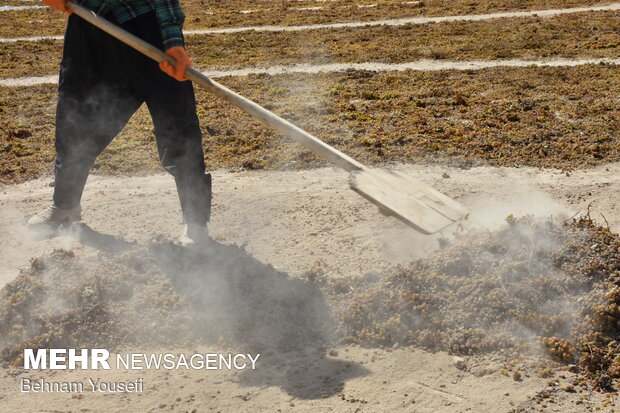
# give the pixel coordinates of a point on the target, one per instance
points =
(283, 126)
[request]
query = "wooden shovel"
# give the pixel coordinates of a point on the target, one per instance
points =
(416, 204)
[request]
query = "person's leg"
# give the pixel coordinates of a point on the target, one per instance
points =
(93, 107)
(83, 130)
(179, 141)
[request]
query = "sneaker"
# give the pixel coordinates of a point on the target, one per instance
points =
(52, 218)
(195, 235)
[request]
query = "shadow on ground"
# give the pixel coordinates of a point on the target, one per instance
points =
(103, 242)
(166, 294)
(262, 310)
(87, 236)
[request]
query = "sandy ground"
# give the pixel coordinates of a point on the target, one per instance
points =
(296, 221)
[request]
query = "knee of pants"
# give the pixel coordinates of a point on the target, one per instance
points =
(185, 169)
(184, 159)
(73, 160)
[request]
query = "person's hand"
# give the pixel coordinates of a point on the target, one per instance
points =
(179, 54)
(60, 5)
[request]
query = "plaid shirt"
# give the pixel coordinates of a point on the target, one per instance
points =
(168, 13)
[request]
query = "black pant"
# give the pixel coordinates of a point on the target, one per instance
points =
(102, 83)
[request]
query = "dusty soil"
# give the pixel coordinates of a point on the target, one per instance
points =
(561, 117)
(206, 14)
(591, 34)
(308, 222)
(535, 284)
(295, 244)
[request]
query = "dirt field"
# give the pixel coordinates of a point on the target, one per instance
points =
(206, 14)
(592, 34)
(513, 310)
(547, 117)
(301, 220)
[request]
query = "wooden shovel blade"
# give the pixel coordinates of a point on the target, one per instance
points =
(413, 202)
